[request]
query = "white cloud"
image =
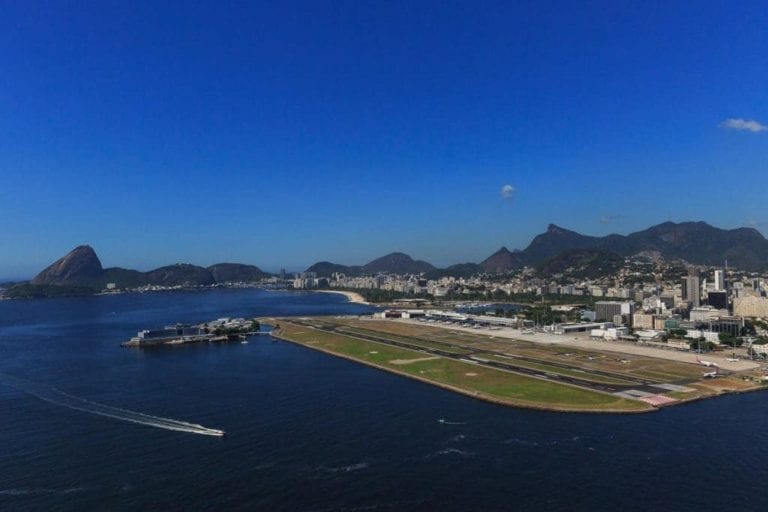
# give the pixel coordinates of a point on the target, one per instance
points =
(507, 191)
(743, 125)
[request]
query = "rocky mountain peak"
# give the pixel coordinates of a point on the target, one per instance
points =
(80, 265)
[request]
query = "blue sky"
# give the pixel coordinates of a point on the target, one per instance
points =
(280, 134)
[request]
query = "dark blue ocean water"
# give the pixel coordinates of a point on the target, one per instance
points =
(307, 431)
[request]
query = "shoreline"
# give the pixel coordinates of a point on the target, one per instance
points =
(703, 390)
(353, 297)
(465, 392)
(478, 395)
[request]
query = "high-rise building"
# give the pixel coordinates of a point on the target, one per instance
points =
(719, 280)
(718, 299)
(692, 289)
(605, 311)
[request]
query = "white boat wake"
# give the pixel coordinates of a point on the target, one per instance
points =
(60, 398)
(446, 422)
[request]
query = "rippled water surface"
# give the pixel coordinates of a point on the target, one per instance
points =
(307, 431)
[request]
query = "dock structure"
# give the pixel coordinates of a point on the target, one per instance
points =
(219, 330)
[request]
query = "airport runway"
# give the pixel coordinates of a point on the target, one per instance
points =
(471, 356)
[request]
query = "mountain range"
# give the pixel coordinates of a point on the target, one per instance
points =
(394, 263)
(82, 269)
(696, 243)
(555, 251)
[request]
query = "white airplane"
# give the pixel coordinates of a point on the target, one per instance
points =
(710, 375)
(706, 363)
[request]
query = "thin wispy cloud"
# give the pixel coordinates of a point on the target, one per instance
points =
(743, 125)
(507, 191)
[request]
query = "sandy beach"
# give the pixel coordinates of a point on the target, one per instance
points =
(352, 296)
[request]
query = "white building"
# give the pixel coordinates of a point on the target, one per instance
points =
(648, 335)
(609, 333)
(705, 313)
(707, 335)
(719, 280)
(615, 333)
(581, 327)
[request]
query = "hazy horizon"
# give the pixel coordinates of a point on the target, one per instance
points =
(283, 135)
(304, 266)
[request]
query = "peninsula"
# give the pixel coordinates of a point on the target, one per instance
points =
(80, 273)
(561, 374)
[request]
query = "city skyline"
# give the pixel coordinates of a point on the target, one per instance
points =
(280, 137)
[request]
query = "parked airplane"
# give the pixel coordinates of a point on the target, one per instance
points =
(706, 363)
(710, 375)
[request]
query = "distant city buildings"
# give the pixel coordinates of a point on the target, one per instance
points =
(643, 301)
(308, 281)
